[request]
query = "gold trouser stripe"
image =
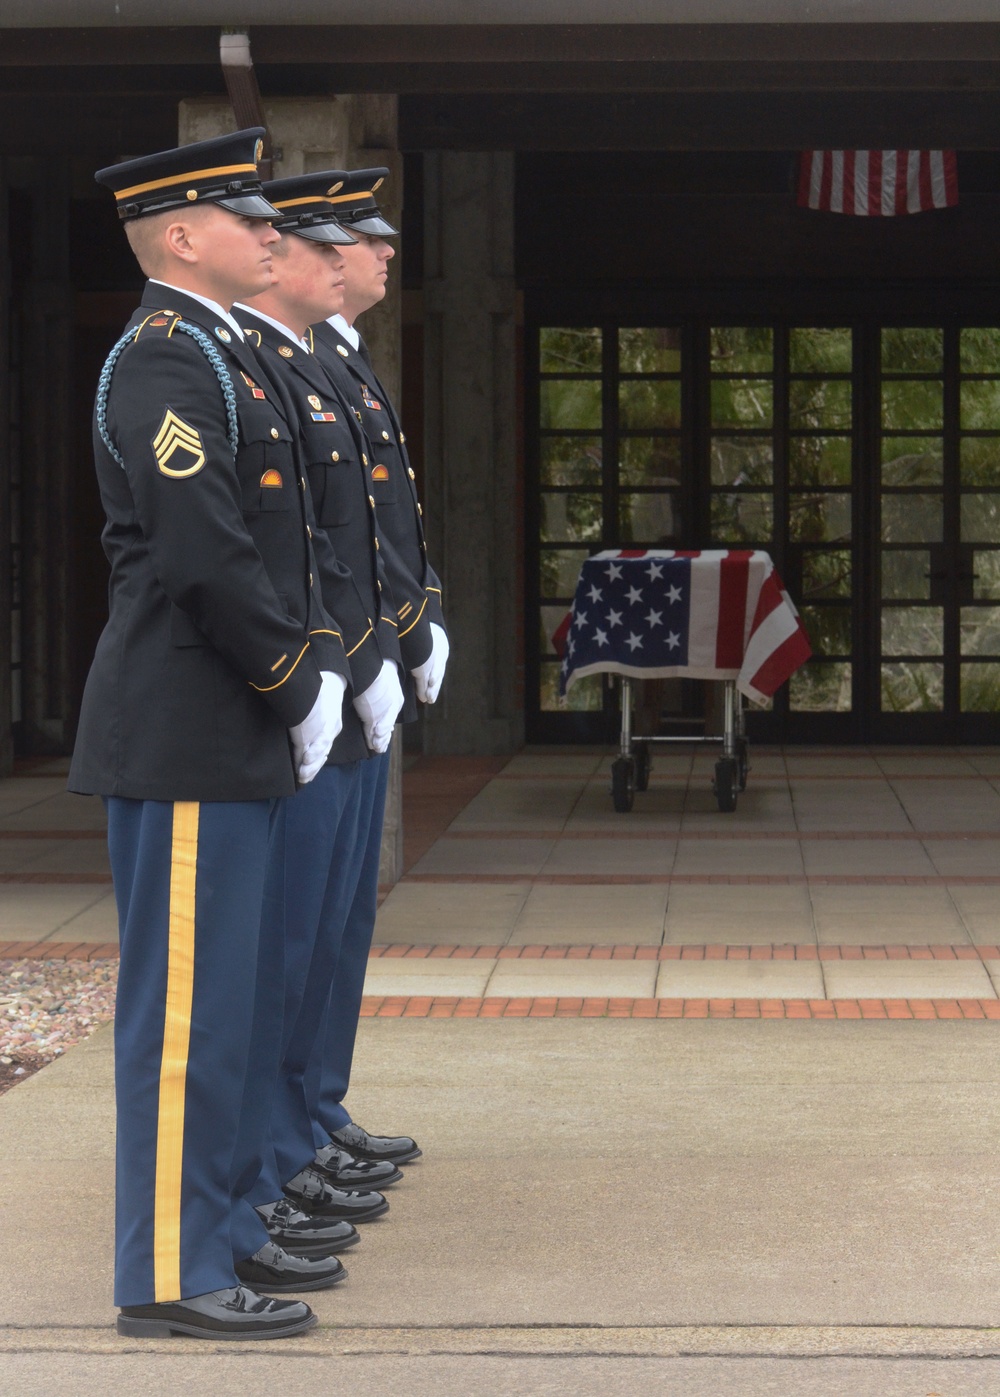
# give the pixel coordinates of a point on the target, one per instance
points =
(173, 1065)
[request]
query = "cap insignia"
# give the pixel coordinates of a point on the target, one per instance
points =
(258, 151)
(377, 183)
(334, 187)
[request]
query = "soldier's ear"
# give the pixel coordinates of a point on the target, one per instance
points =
(180, 240)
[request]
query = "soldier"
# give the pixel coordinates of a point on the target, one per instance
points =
(217, 683)
(314, 851)
(423, 641)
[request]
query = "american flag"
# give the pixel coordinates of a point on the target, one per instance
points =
(878, 183)
(660, 613)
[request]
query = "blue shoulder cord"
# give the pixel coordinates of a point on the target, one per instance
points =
(211, 354)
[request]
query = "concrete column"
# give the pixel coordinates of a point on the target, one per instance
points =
(471, 445)
(345, 132)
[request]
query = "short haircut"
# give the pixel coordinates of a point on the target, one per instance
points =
(145, 236)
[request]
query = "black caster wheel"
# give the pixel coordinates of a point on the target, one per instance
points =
(726, 784)
(742, 762)
(643, 766)
(623, 784)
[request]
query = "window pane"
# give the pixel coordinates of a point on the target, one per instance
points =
(986, 583)
(980, 350)
(826, 572)
(549, 620)
(649, 402)
(820, 403)
(649, 351)
(742, 402)
(650, 518)
(819, 461)
(742, 518)
(819, 518)
(979, 629)
(570, 351)
(586, 695)
(912, 630)
(820, 687)
(559, 569)
(912, 688)
(913, 406)
(572, 517)
(828, 628)
(912, 460)
(904, 574)
(819, 351)
(912, 351)
(911, 519)
(649, 460)
(979, 459)
(741, 349)
(980, 518)
(571, 403)
(980, 406)
(571, 461)
(742, 461)
(980, 688)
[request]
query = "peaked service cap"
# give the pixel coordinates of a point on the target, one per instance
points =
(220, 171)
(306, 205)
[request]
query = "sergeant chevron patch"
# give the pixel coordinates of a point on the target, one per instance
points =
(175, 435)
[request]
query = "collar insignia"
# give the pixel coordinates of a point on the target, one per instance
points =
(223, 335)
(285, 352)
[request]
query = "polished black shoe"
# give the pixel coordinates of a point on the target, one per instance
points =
(305, 1234)
(344, 1171)
(311, 1192)
(220, 1314)
(277, 1271)
(400, 1149)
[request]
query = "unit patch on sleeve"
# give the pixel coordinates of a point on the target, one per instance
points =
(368, 400)
(271, 479)
(175, 435)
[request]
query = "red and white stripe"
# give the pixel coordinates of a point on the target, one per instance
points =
(878, 183)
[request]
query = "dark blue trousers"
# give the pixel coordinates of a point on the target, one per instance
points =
(189, 882)
(329, 1074)
(311, 878)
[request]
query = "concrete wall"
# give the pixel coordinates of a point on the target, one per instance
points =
(471, 445)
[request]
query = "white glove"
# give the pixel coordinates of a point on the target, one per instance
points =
(313, 738)
(429, 675)
(378, 707)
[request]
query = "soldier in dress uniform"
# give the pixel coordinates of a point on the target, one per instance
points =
(423, 641)
(314, 853)
(217, 685)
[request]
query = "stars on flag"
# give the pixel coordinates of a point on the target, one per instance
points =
(614, 619)
(655, 570)
(600, 636)
(634, 642)
(654, 618)
(613, 570)
(580, 620)
(634, 596)
(673, 640)
(674, 594)
(595, 593)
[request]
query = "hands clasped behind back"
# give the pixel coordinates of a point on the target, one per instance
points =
(313, 738)
(378, 707)
(429, 676)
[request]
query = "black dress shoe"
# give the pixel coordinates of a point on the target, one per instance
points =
(305, 1234)
(220, 1314)
(344, 1171)
(275, 1270)
(311, 1192)
(400, 1149)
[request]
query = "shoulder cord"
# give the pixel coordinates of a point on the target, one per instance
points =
(211, 354)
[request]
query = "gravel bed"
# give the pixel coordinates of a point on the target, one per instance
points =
(48, 1005)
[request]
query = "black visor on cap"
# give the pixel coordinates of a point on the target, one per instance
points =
(374, 224)
(319, 232)
(250, 206)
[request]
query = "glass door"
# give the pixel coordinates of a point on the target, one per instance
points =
(939, 533)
